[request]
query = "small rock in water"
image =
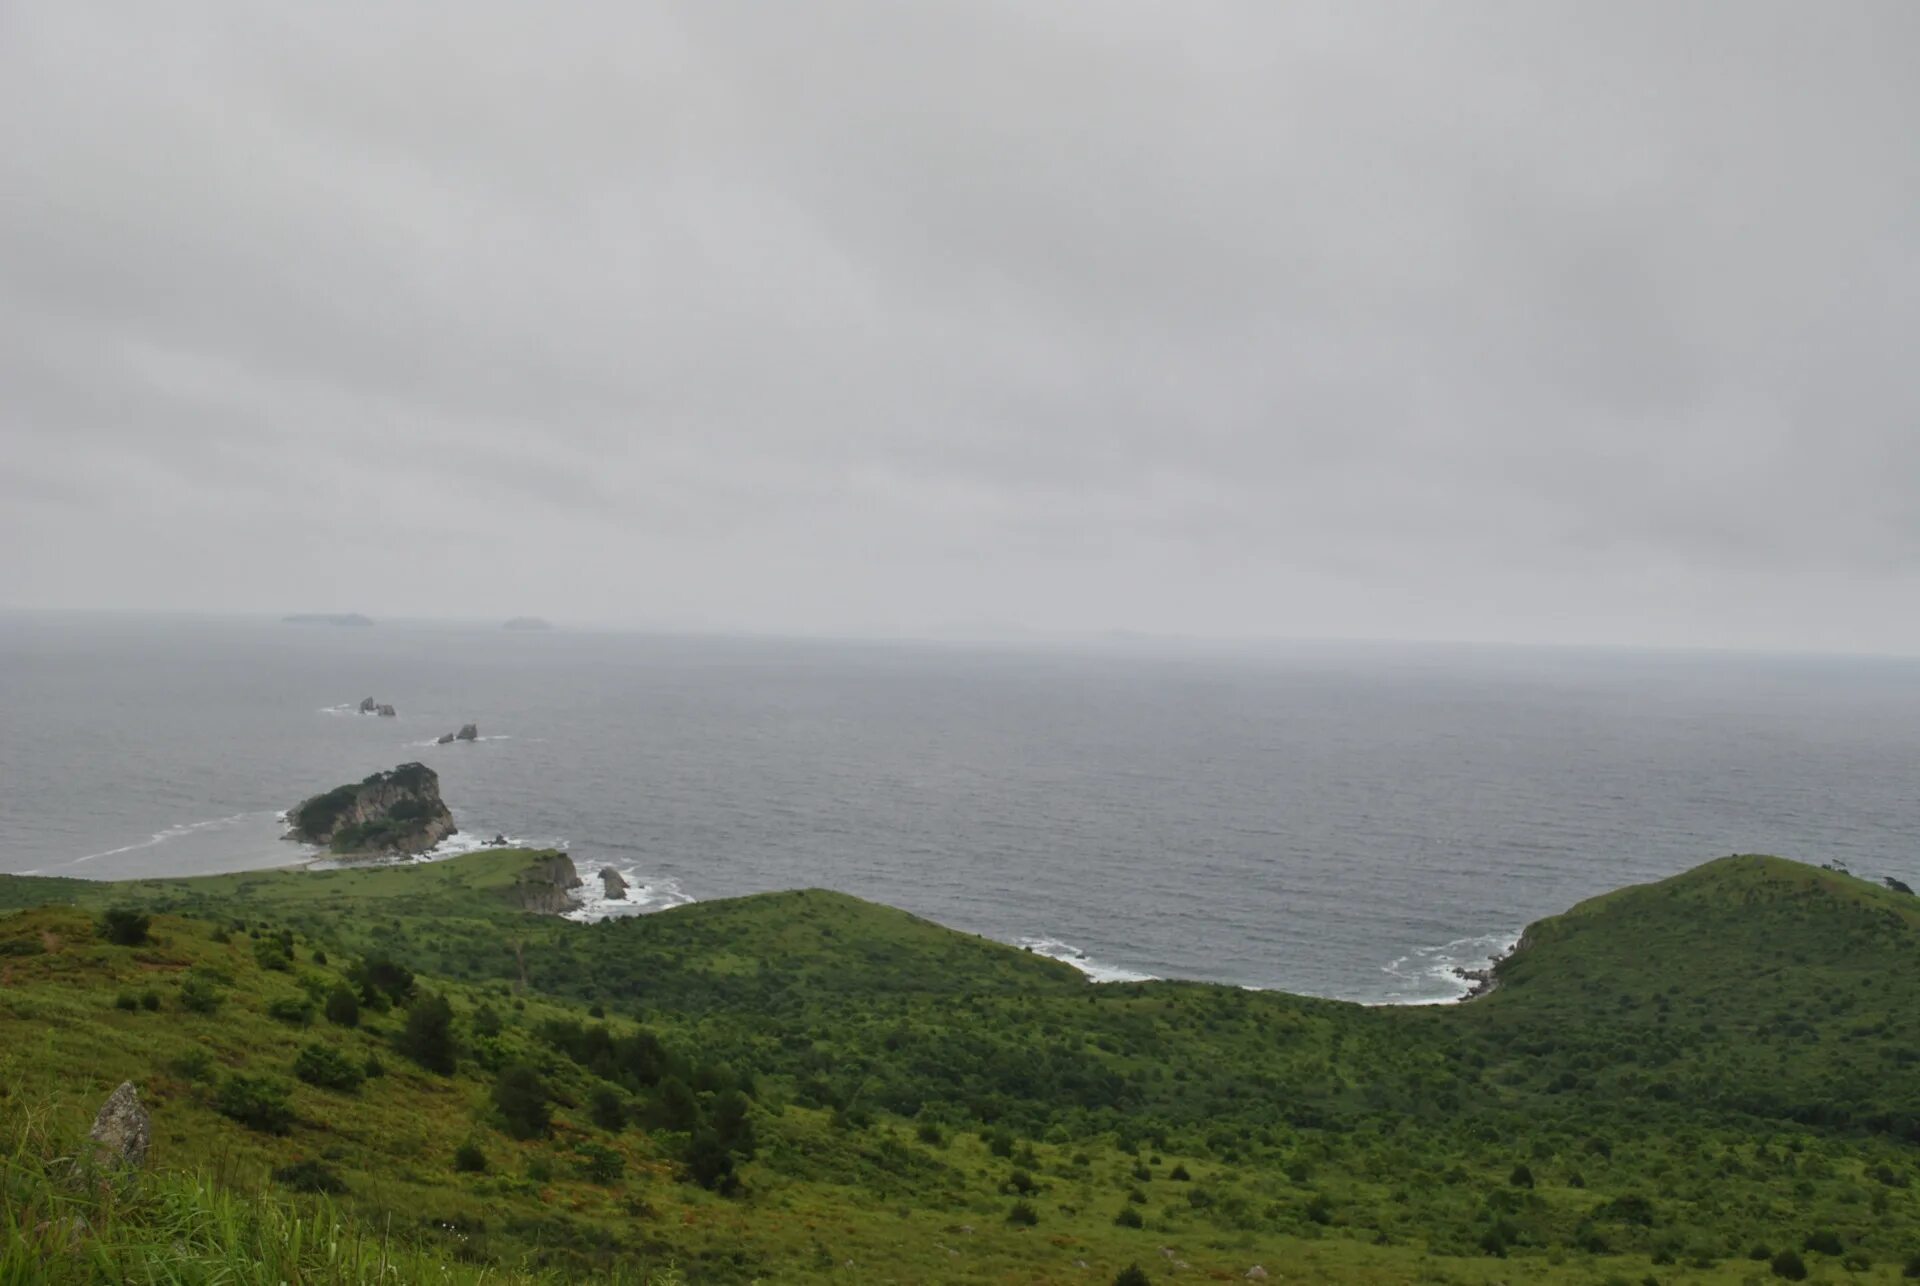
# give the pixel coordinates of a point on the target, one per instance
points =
(616, 887)
(386, 712)
(368, 705)
(468, 732)
(123, 1130)
(444, 739)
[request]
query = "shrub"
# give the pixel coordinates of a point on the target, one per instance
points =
(1129, 1218)
(1824, 1241)
(289, 1009)
(198, 994)
(150, 1000)
(427, 1037)
(256, 1103)
(194, 1066)
(126, 1000)
(1023, 1215)
(1000, 1143)
(375, 1067)
(600, 1164)
(469, 1159)
(1912, 1270)
(608, 1109)
(272, 953)
(1522, 1177)
(380, 980)
(520, 1097)
(309, 1176)
(1179, 1174)
(1790, 1266)
(328, 1068)
(1132, 1275)
(929, 1133)
(1761, 1252)
(343, 1007)
(125, 928)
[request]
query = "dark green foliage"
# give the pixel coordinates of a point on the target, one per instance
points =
(1824, 1241)
(291, 1009)
(1128, 1218)
(1790, 1266)
(673, 1107)
(486, 1023)
(1020, 1182)
(199, 995)
(317, 815)
(274, 952)
(1522, 1177)
(929, 1133)
(1912, 1269)
(427, 1036)
(380, 980)
(520, 1097)
(469, 1159)
(1132, 1274)
(150, 1000)
(309, 1176)
(328, 1068)
(1179, 1174)
(374, 1067)
(126, 1000)
(1023, 1215)
(343, 1007)
(255, 1102)
(124, 928)
(607, 1109)
(600, 1164)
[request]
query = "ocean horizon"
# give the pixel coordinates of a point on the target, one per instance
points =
(1356, 821)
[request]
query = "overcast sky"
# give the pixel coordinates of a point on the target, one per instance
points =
(1522, 321)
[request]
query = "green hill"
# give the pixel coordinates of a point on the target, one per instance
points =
(803, 1086)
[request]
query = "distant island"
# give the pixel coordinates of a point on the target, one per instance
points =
(527, 623)
(326, 618)
(390, 812)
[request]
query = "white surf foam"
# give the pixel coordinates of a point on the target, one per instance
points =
(345, 707)
(1421, 971)
(644, 893)
(1067, 953)
(452, 846)
(435, 741)
(175, 831)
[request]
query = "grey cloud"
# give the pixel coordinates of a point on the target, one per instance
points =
(1565, 321)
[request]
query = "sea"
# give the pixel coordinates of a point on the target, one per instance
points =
(1349, 820)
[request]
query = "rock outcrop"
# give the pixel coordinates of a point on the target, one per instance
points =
(122, 1131)
(386, 712)
(444, 739)
(390, 812)
(468, 732)
(613, 884)
(368, 705)
(546, 886)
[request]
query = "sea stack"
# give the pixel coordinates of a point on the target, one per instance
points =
(468, 732)
(614, 886)
(390, 812)
(368, 705)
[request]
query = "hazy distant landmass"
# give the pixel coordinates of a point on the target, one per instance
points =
(327, 618)
(528, 623)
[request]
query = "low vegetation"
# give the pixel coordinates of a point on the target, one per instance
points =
(1715, 1078)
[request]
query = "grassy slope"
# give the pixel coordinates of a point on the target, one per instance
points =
(1685, 1068)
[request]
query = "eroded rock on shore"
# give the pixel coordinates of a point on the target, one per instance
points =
(546, 886)
(390, 812)
(614, 886)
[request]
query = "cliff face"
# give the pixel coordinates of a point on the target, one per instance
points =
(545, 887)
(390, 812)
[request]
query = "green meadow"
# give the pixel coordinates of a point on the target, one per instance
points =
(396, 1074)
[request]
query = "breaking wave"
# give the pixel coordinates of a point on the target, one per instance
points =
(644, 894)
(1067, 953)
(1427, 975)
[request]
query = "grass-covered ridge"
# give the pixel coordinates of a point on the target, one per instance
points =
(802, 1086)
